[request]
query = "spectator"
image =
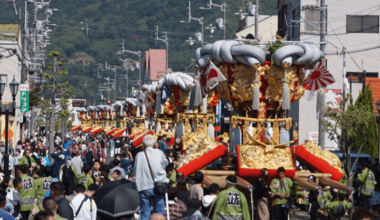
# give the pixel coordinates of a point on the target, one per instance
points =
(89, 153)
(208, 201)
(161, 144)
(281, 187)
(118, 145)
(126, 163)
(157, 216)
(366, 181)
(91, 190)
(27, 193)
(28, 160)
(50, 205)
(231, 202)
(83, 206)
(14, 197)
(111, 147)
(100, 153)
(262, 192)
(194, 211)
(42, 185)
(85, 178)
(66, 145)
(172, 175)
(176, 206)
(361, 214)
(96, 172)
(64, 207)
(44, 215)
(338, 208)
(116, 174)
(183, 193)
(77, 162)
(40, 145)
(117, 167)
(68, 176)
(196, 190)
(111, 163)
(43, 158)
(144, 180)
(57, 164)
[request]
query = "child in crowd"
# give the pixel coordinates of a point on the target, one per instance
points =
(116, 174)
(85, 178)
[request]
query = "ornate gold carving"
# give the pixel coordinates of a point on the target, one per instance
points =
(184, 97)
(329, 157)
(139, 127)
(225, 137)
(262, 110)
(255, 157)
(167, 105)
(197, 144)
(242, 87)
(275, 76)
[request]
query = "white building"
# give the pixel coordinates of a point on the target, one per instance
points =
(353, 25)
(73, 105)
(267, 27)
(10, 66)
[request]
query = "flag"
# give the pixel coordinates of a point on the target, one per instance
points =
(166, 93)
(211, 78)
(319, 78)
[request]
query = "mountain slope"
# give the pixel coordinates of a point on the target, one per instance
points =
(111, 21)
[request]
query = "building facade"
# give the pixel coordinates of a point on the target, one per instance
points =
(10, 66)
(352, 32)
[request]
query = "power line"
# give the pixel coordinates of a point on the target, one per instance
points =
(341, 42)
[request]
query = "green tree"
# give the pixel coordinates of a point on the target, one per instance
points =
(345, 124)
(365, 99)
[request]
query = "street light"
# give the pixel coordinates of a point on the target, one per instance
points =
(8, 110)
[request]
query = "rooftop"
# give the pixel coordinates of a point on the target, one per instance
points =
(375, 87)
(7, 30)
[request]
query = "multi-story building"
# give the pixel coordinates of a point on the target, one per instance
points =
(10, 66)
(352, 32)
(155, 65)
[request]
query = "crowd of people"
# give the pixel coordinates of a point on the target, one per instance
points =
(63, 188)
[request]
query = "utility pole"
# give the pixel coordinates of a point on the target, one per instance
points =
(196, 19)
(166, 41)
(52, 105)
(344, 72)
(257, 20)
(322, 93)
(126, 75)
(323, 19)
(138, 53)
(223, 7)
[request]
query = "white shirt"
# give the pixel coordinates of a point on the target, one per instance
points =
(158, 162)
(84, 213)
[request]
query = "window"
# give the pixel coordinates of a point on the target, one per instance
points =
(357, 77)
(4, 77)
(362, 24)
(282, 22)
(312, 19)
(295, 31)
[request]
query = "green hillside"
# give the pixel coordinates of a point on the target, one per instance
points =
(111, 21)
